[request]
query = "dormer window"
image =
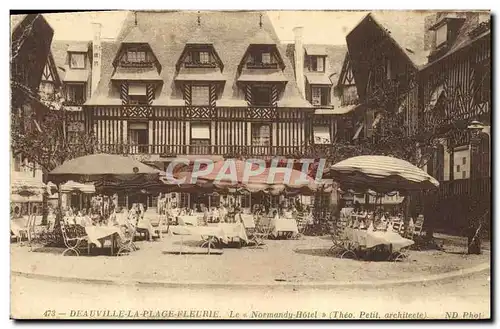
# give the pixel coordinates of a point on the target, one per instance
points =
(441, 35)
(77, 60)
(260, 58)
(75, 94)
(319, 96)
(317, 64)
(200, 58)
(135, 56)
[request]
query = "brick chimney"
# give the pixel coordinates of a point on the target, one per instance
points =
(96, 56)
(299, 60)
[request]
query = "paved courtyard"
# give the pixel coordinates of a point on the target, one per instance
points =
(304, 260)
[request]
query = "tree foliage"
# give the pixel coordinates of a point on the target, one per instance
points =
(44, 138)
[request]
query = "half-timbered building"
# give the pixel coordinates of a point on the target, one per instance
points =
(190, 84)
(439, 74)
(31, 36)
(456, 90)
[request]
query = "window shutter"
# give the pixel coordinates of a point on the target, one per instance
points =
(137, 89)
(200, 95)
(320, 64)
(200, 131)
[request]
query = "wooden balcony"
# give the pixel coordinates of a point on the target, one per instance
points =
(260, 65)
(224, 150)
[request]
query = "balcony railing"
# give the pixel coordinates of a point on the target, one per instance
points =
(145, 64)
(224, 150)
(200, 64)
(259, 65)
(76, 102)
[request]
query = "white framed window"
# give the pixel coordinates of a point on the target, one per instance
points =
(317, 64)
(316, 95)
(134, 56)
(200, 95)
(319, 96)
(200, 131)
(441, 35)
(261, 134)
(200, 138)
(137, 94)
(266, 58)
(77, 60)
(322, 134)
(75, 93)
(204, 57)
(138, 137)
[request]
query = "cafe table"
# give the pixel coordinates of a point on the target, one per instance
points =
(369, 239)
(98, 234)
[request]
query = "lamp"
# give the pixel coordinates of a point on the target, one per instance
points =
(473, 238)
(475, 127)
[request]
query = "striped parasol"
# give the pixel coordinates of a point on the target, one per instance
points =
(25, 185)
(381, 174)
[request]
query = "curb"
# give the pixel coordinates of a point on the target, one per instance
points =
(269, 285)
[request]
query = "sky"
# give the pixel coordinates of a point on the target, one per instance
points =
(320, 27)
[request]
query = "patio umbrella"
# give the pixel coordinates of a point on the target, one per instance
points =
(72, 186)
(103, 168)
(25, 185)
(381, 174)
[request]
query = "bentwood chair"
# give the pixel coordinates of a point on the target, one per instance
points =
(73, 241)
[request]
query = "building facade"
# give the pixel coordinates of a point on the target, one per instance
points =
(31, 37)
(439, 76)
(212, 85)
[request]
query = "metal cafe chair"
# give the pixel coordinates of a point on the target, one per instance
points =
(73, 240)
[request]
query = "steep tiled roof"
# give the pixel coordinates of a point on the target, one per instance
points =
(408, 31)
(60, 48)
(465, 36)
(168, 32)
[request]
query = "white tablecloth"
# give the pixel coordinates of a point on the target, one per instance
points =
(377, 238)
(190, 219)
(284, 225)
(222, 231)
(97, 234)
(18, 224)
(234, 230)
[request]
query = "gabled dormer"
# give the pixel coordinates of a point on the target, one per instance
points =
(199, 70)
(446, 29)
(199, 52)
(315, 58)
(135, 51)
(136, 69)
(262, 53)
(260, 71)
